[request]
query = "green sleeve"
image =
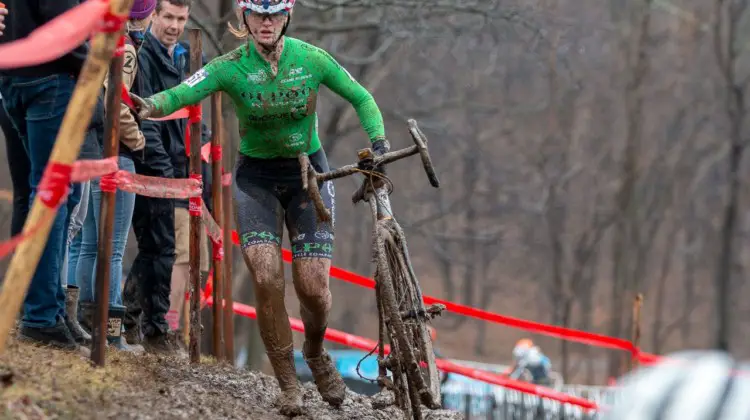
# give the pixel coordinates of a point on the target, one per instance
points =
(191, 91)
(338, 79)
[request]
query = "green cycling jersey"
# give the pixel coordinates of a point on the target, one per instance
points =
(276, 114)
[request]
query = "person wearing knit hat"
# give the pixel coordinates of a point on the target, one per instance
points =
(142, 9)
(132, 147)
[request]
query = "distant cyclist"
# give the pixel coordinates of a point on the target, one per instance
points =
(692, 385)
(529, 358)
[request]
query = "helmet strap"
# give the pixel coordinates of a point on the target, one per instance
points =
(270, 49)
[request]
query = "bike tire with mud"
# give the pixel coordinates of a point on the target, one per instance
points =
(409, 337)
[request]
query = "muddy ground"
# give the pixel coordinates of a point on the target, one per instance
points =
(41, 383)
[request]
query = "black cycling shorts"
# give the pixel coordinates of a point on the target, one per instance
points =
(269, 193)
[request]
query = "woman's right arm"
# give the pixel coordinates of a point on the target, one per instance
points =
(191, 91)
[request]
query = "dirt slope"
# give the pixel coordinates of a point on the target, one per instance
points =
(40, 383)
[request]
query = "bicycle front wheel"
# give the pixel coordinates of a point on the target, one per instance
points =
(405, 312)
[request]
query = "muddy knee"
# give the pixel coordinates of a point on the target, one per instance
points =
(265, 265)
(311, 285)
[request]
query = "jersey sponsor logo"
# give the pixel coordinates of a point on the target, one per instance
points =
(295, 140)
(259, 76)
(198, 77)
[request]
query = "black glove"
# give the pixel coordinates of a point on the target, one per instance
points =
(380, 147)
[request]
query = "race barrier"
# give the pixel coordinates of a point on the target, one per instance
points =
(563, 333)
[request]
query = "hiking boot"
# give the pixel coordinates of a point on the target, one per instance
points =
(158, 343)
(71, 316)
(114, 329)
(132, 335)
(58, 336)
(86, 312)
(290, 400)
(328, 380)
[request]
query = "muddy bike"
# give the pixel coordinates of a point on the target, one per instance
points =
(402, 314)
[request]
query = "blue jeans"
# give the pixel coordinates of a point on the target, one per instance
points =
(86, 270)
(77, 217)
(36, 106)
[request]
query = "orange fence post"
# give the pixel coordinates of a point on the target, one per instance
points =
(216, 192)
(636, 328)
(196, 224)
(107, 217)
(228, 260)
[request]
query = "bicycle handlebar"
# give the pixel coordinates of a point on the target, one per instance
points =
(310, 177)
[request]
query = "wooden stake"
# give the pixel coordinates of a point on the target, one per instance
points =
(636, 332)
(107, 216)
(65, 151)
(228, 260)
(216, 192)
(196, 224)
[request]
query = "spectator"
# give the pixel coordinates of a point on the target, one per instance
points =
(35, 99)
(91, 149)
(158, 223)
(20, 167)
(132, 145)
(18, 162)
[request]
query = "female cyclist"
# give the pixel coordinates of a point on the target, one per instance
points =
(273, 81)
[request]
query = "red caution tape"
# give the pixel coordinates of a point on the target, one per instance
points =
(195, 204)
(111, 23)
(195, 113)
(177, 115)
(215, 153)
(150, 186)
(126, 99)
(206, 152)
(7, 247)
(88, 169)
(55, 183)
(108, 183)
(226, 179)
(55, 38)
(444, 365)
(218, 252)
(120, 50)
(536, 327)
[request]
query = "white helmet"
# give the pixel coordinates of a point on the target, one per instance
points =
(266, 6)
(694, 385)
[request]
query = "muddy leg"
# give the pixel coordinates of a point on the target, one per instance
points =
(265, 264)
(311, 284)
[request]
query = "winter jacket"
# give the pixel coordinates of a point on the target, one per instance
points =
(165, 154)
(24, 16)
(132, 141)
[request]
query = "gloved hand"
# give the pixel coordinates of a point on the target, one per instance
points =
(380, 147)
(144, 107)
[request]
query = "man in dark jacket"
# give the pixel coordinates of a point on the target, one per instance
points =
(164, 63)
(35, 99)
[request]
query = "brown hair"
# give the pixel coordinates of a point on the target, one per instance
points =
(181, 3)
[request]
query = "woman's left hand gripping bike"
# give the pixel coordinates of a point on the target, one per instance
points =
(402, 315)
